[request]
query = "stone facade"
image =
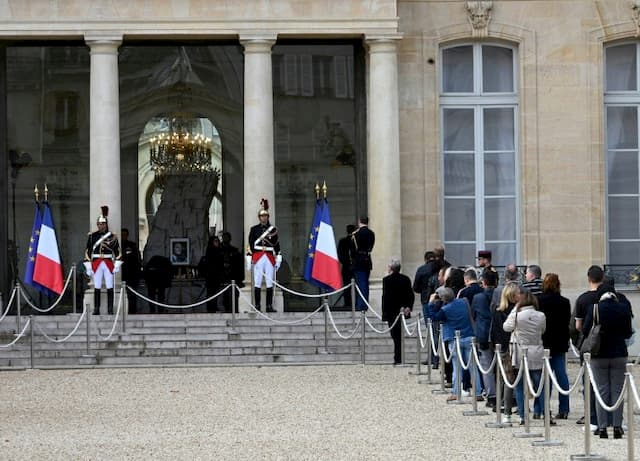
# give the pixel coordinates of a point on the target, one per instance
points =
(560, 85)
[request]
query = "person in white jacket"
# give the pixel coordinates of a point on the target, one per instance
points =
(527, 325)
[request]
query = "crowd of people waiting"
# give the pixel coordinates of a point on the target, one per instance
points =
(524, 315)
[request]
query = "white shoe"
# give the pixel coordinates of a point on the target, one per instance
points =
(506, 419)
(465, 393)
(592, 427)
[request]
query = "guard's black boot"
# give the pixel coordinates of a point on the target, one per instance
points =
(110, 301)
(270, 300)
(256, 295)
(96, 302)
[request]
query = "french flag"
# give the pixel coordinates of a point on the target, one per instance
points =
(48, 268)
(326, 267)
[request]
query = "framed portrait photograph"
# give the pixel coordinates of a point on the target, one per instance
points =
(179, 251)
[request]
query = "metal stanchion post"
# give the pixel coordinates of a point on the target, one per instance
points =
(442, 389)
(233, 289)
(362, 341)
(18, 303)
(498, 423)
(86, 313)
(474, 374)
(31, 334)
(75, 287)
(418, 371)
(353, 303)
(1, 304)
(403, 324)
(458, 362)
(587, 415)
(630, 421)
(547, 442)
(326, 325)
(125, 304)
(527, 434)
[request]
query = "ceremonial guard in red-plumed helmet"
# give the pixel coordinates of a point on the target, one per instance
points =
(263, 254)
(102, 260)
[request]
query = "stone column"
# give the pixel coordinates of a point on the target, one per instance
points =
(104, 150)
(259, 164)
(383, 152)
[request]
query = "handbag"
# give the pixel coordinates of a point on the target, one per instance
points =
(591, 343)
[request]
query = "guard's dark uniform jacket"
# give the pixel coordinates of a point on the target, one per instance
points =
(362, 240)
(269, 245)
(106, 251)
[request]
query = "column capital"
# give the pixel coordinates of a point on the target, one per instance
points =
(103, 42)
(382, 43)
(258, 43)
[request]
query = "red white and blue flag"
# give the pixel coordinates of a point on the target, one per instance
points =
(48, 267)
(323, 268)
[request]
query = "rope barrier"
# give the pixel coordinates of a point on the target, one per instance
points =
(554, 380)
(115, 320)
(422, 343)
(356, 328)
(178, 306)
(404, 323)
(527, 374)
(382, 331)
(459, 352)
(304, 295)
(55, 304)
(434, 349)
(477, 360)
(596, 392)
(505, 378)
(280, 322)
(367, 303)
(43, 333)
(634, 390)
(20, 335)
(13, 295)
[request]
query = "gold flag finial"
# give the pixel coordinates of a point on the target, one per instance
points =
(36, 192)
(317, 189)
(324, 189)
(46, 193)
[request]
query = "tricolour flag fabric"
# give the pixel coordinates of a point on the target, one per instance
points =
(33, 248)
(311, 248)
(326, 267)
(48, 267)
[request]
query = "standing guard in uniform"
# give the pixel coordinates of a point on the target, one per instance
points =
(362, 240)
(102, 260)
(263, 254)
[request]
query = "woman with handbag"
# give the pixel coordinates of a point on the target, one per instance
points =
(527, 325)
(609, 363)
(508, 299)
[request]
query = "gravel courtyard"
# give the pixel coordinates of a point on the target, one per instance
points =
(339, 412)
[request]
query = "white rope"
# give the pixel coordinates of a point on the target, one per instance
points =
(422, 343)
(19, 336)
(55, 304)
(634, 391)
(115, 320)
(457, 346)
(505, 378)
(304, 295)
(434, 349)
(382, 331)
(178, 306)
(406, 328)
(13, 294)
(574, 351)
(280, 322)
(477, 359)
(84, 312)
(349, 335)
(554, 380)
(444, 351)
(367, 303)
(596, 392)
(537, 393)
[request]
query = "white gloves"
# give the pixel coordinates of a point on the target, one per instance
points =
(248, 260)
(278, 261)
(116, 267)
(87, 268)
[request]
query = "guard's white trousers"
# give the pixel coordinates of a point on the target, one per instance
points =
(263, 269)
(102, 272)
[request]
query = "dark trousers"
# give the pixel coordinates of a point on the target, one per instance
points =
(347, 275)
(610, 376)
(396, 333)
(362, 281)
(156, 293)
(132, 299)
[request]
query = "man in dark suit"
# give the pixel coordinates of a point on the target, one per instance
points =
(362, 241)
(397, 297)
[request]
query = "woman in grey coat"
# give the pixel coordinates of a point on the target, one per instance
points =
(527, 324)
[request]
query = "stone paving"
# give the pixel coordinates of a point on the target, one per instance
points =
(337, 412)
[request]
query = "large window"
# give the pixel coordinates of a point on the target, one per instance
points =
(479, 113)
(622, 102)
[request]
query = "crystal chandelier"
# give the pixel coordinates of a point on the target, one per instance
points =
(179, 151)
